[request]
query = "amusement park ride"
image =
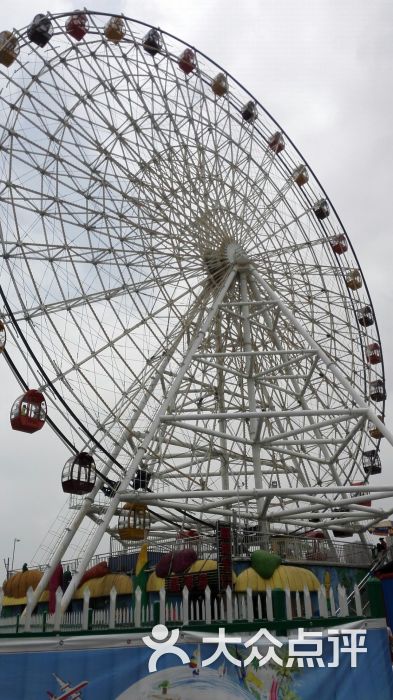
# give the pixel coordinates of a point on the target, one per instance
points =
(195, 323)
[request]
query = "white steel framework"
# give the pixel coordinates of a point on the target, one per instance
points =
(172, 283)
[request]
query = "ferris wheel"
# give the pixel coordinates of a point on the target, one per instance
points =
(193, 318)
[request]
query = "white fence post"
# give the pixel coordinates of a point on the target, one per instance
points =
(236, 610)
(342, 601)
(138, 607)
(358, 601)
(269, 604)
(250, 606)
(307, 603)
(288, 604)
(322, 602)
(112, 607)
(259, 606)
(85, 613)
(229, 605)
(162, 606)
(185, 605)
(29, 609)
(208, 609)
(58, 613)
(332, 603)
(298, 605)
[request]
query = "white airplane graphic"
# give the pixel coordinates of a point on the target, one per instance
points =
(67, 693)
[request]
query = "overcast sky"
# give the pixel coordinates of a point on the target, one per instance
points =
(323, 69)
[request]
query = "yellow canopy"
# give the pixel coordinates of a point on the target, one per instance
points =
(202, 565)
(154, 583)
(102, 586)
(8, 600)
(292, 577)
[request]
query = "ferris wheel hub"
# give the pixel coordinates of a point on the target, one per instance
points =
(220, 260)
(236, 255)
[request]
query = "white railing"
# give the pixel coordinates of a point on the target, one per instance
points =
(227, 608)
(298, 549)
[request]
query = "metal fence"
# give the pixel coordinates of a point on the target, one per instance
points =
(302, 550)
(226, 608)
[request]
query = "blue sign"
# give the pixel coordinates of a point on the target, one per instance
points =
(117, 669)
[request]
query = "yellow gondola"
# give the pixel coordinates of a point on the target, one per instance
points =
(134, 522)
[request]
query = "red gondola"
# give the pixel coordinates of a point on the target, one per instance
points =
(187, 61)
(339, 244)
(77, 26)
(276, 142)
(79, 474)
(28, 412)
(373, 353)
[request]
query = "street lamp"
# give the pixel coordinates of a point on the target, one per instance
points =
(13, 552)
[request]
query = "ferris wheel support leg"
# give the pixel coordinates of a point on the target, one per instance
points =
(330, 365)
(256, 450)
(303, 403)
(89, 500)
(96, 539)
(221, 407)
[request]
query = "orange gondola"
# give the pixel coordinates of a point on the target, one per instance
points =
(220, 85)
(300, 175)
(353, 279)
(28, 413)
(9, 48)
(115, 29)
